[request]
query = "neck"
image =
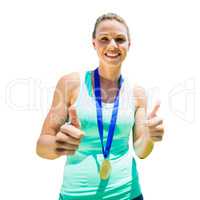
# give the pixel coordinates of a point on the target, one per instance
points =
(109, 72)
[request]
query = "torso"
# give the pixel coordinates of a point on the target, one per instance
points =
(81, 170)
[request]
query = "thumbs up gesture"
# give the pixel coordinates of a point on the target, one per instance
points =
(155, 124)
(69, 136)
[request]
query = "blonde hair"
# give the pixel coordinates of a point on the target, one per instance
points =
(110, 16)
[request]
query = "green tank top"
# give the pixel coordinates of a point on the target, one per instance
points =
(81, 179)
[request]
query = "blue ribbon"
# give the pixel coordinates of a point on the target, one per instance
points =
(97, 90)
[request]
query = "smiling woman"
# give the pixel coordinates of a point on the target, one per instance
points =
(101, 110)
(111, 40)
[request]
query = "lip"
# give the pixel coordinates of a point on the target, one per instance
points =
(112, 55)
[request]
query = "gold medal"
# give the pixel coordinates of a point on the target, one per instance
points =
(105, 169)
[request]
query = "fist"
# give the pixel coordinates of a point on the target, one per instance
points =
(155, 124)
(69, 137)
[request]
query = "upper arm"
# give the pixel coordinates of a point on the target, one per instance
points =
(61, 101)
(140, 98)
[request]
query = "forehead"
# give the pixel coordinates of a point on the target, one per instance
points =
(111, 27)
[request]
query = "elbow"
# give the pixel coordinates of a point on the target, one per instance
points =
(143, 148)
(142, 156)
(39, 152)
(143, 153)
(43, 153)
(38, 149)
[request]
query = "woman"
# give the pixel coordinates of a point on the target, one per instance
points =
(101, 109)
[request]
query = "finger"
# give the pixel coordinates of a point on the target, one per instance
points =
(154, 111)
(157, 128)
(62, 137)
(73, 117)
(72, 131)
(61, 152)
(157, 134)
(66, 146)
(156, 138)
(160, 128)
(154, 122)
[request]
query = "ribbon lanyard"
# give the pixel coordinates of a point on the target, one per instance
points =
(97, 90)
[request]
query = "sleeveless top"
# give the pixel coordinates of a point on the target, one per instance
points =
(81, 179)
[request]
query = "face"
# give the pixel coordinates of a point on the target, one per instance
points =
(111, 42)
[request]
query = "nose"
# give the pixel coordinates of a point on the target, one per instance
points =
(113, 43)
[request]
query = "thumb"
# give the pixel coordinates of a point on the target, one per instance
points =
(73, 117)
(154, 111)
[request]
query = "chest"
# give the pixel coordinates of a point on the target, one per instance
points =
(108, 90)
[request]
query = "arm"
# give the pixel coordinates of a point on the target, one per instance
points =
(46, 144)
(142, 142)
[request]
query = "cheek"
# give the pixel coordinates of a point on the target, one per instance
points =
(100, 49)
(124, 48)
(124, 51)
(101, 46)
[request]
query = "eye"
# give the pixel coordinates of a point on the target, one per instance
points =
(104, 39)
(120, 40)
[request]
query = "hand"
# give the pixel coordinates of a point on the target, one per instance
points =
(155, 124)
(69, 136)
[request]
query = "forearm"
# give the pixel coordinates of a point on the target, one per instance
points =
(45, 147)
(143, 146)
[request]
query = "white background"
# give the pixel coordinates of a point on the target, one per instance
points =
(42, 40)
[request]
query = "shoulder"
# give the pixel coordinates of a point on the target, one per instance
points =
(136, 90)
(140, 96)
(69, 81)
(68, 84)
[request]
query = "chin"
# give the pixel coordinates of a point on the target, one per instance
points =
(112, 63)
(115, 63)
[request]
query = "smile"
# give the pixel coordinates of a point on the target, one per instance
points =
(112, 55)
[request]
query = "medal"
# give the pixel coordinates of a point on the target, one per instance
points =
(105, 168)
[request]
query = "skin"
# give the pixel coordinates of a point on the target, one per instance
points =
(58, 138)
(111, 37)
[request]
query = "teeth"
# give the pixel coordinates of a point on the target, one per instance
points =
(112, 55)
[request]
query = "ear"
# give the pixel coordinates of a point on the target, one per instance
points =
(93, 43)
(129, 44)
